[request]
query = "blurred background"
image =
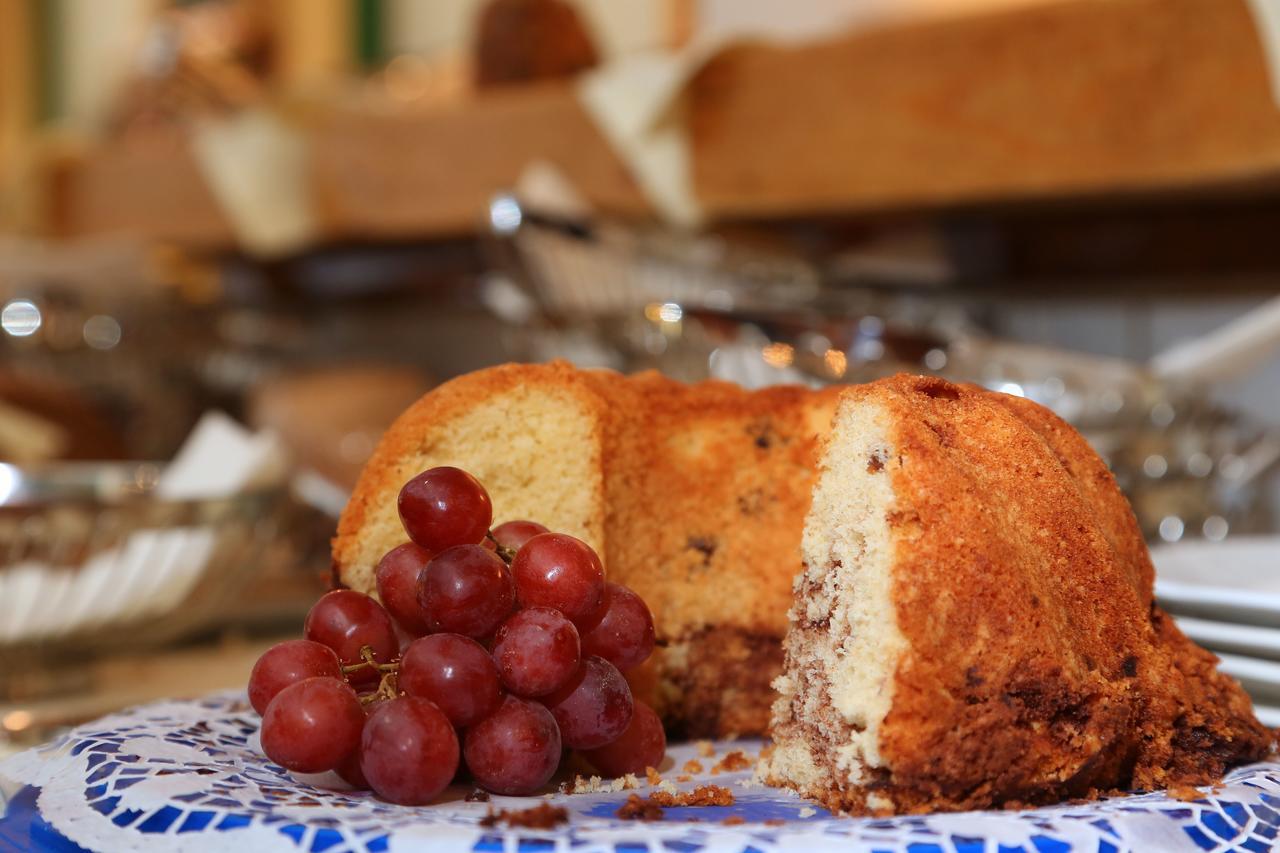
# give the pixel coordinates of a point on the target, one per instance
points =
(237, 237)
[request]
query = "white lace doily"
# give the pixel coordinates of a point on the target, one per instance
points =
(188, 776)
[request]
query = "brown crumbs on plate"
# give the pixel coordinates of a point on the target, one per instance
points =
(478, 796)
(705, 749)
(654, 777)
(734, 761)
(693, 765)
(734, 820)
(775, 821)
(703, 795)
(639, 808)
(541, 816)
(1186, 793)
(650, 807)
(684, 777)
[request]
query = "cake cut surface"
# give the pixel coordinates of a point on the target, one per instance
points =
(974, 624)
(694, 496)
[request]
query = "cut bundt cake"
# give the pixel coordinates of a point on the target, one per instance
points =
(974, 625)
(694, 495)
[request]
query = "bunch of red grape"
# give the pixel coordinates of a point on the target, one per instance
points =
(518, 652)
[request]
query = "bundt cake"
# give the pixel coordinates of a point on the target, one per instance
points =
(694, 495)
(974, 625)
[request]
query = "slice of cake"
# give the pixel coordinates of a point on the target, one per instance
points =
(974, 624)
(694, 495)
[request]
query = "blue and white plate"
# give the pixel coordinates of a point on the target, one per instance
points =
(188, 776)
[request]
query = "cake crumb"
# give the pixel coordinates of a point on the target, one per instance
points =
(705, 749)
(693, 765)
(541, 816)
(734, 761)
(638, 808)
(478, 796)
(765, 753)
(684, 777)
(734, 820)
(579, 785)
(652, 774)
(1186, 793)
(651, 807)
(703, 795)
(775, 821)
(667, 786)
(807, 811)
(623, 783)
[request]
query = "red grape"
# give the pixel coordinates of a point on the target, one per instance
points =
(345, 621)
(536, 651)
(513, 534)
(594, 707)
(558, 571)
(515, 750)
(397, 579)
(409, 751)
(456, 673)
(642, 745)
(624, 635)
(349, 771)
(287, 663)
(311, 725)
(466, 590)
(349, 768)
(444, 507)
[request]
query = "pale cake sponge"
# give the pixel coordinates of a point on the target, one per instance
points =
(695, 496)
(843, 613)
(974, 625)
(531, 435)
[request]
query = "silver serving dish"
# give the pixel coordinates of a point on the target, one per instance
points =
(590, 294)
(92, 560)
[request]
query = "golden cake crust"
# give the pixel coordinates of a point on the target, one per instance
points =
(703, 490)
(1037, 667)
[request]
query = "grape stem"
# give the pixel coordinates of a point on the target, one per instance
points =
(368, 661)
(507, 554)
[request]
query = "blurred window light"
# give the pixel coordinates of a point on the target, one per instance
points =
(1162, 414)
(101, 331)
(16, 721)
(1199, 464)
(670, 312)
(935, 359)
(20, 318)
(1012, 388)
(505, 215)
(1155, 466)
(1171, 528)
(9, 480)
(1215, 528)
(868, 349)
